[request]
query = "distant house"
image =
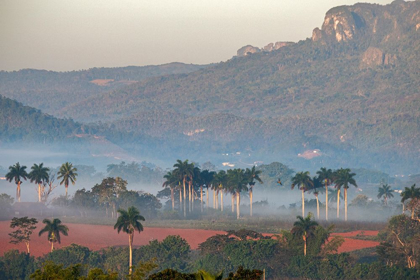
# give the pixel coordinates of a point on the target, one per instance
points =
(30, 209)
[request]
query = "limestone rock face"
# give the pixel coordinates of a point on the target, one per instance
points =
(369, 22)
(247, 50)
(375, 57)
(244, 51)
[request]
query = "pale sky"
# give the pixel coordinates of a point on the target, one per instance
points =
(65, 35)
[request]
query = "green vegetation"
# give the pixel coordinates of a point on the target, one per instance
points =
(68, 174)
(16, 172)
(25, 227)
(129, 222)
(54, 228)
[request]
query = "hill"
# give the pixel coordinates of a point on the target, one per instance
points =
(353, 86)
(348, 96)
(51, 91)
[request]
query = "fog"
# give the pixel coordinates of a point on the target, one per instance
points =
(270, 201)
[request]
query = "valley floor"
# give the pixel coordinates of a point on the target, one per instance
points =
(96, 237)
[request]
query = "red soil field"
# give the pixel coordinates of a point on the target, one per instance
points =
(96, 237)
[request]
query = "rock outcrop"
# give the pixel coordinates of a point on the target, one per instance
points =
(369, 22)
(375, 57)
(247, 50)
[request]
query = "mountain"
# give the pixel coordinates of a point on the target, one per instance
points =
(51, 91)
(347, 96)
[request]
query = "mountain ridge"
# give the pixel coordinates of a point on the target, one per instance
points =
(355, 96)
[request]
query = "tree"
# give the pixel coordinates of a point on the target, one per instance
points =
(412, 194)
(252, 174)
(326, 177)
(54, 228)
(171, 181)
(401, 245)
(316, 188)
(68, 174)
(128, 222)
(39, 175)
(204, 275)
(386, 192)
(207, 178)
(16, 172)
(304, 182)
(50, 270)
(304, 227)
(106, 193)
(238, 181)
(184, 171)
(344, 178)
(25, 226)
(219, 183)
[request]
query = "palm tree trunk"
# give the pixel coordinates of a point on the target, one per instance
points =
(326, 202)
(207, 197)
(27, 246)
(412, 213)
(386, 201)
(221, 200)
(338, 203)
(317, 206)
(233, 203)
(201, 198)
(39, 192)
(180, 199)
(18, 192)
(217, 199)
(193, 196)
(304, 245)
(67, 186)
(52, 246)
(214, 199)
(403, 208)
(250, 201)
(345, 204)
(238, 202)
(189, 197)
(130, 245)
(303, 203)
(172, 198)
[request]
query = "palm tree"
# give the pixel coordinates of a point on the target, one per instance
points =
(344, 178)
(412, 194)
(194, 185)
(171, 181)
(183, 170)
(68, 174)
(316, 188)
(54, 228)
(238, 181)
(304, 227)
(16, 172)
(304, 182)
(206, 177)
(326, 176)
(219, 183)
(252, 174)
(39, 174)
(128, 222)
(386, 192)
(204, 275)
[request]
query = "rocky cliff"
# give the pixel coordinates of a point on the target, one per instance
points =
(374, 23)
(247, 50)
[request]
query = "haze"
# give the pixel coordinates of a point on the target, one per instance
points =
(73, 35)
